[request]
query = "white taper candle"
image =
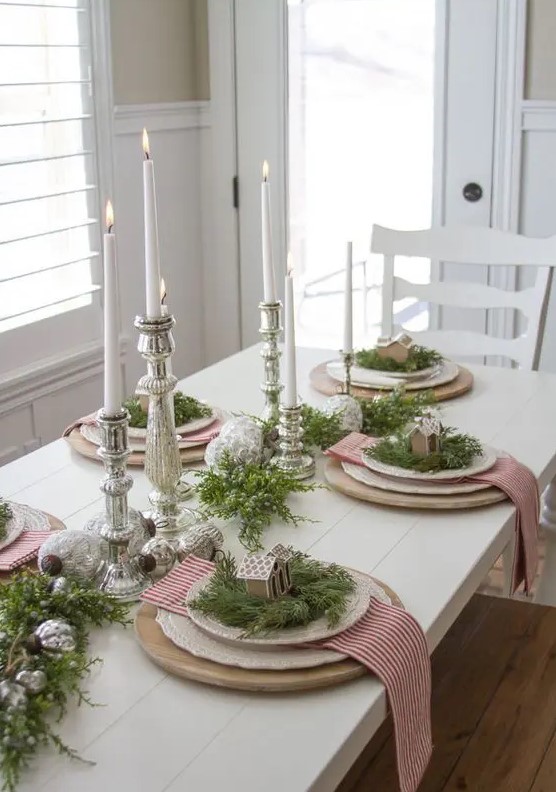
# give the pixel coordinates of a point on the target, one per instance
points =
(290, 384)
(112, 372)
(348, 301)
(269, 281)
(152, 256)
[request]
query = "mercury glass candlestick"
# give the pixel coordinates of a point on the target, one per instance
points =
(347, 359)
(119, 575)
(291, 456)
(270, 330)
(162, 454)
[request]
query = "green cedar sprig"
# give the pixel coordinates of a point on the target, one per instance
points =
(456, 451)
(388, 414)
(419, 358)
(254, 493)
(317, 590)
(24, 603)
(186, 408)
(5, 516)
(319, 429)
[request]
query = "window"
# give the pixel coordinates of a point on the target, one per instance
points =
(49, 201)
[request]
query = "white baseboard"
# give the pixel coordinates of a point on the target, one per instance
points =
(538, 116)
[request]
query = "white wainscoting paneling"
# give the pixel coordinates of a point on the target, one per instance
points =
(175, 140)
(538, 198)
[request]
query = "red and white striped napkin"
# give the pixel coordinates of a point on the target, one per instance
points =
(388, 641)
(204, 435)
(24, 549)
(510, 476)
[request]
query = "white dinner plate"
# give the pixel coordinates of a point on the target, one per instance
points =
(481, 463)
(319, 630)
(446, 373)
(408, 486)
(191, 426)
(364, 373)
(93, 435)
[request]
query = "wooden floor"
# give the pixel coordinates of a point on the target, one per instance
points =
(493, 705)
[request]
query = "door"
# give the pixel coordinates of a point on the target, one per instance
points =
(368, 111)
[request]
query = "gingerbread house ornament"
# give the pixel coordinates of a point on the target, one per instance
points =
(395, 348)
(425, 435)
(265, 575)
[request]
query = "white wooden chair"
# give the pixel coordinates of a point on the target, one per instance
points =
(470, 245)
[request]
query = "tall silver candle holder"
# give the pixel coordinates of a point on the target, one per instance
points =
(347, 359)
(270, 331)
(119, 575)
(163, 465)
(291, 456)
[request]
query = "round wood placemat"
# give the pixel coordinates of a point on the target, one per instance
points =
(136, 458)
(322, 382)
(339, 480)
(183, 664)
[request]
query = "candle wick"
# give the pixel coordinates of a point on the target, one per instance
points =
(110, 227)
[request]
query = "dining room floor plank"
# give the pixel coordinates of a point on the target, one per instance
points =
(493, 705)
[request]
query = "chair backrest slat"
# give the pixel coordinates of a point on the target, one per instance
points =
(473, 246)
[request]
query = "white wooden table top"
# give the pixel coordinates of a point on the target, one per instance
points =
(160, 733)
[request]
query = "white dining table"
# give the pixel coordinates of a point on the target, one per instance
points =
(158, 733)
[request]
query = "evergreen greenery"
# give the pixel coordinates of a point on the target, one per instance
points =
(321, 430)
(5, 516)
(317, 590)
(254, 493)
(24, 603)
(186, 409)
(456, 451)
(419, 358)
(388, 414)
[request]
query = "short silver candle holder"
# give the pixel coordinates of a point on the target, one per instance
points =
(163, 465)
(119, 575)
(270, 331)
(347, 359)
(290, 456)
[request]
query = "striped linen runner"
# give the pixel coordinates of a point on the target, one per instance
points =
(24, 549)
(510, 476)
(388, 641)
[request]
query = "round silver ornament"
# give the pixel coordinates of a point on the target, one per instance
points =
(34, 682)
(157, 557)
(349, 410)
(242, 438)
(202, 540)
(75, 553)
(58, 584)
(12, 694)
(55, 635)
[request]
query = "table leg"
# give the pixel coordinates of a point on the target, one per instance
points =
(507, 565)
(546, 590)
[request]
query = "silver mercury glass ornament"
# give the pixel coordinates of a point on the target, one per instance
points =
(55, 635)
(157, 557)
(270, 331)
(163, 465)
(12, 694)
(34, 682)
(71, 552)
(347, 408)
(119, 575)
(241, 438)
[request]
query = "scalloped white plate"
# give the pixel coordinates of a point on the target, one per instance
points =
(316, 631)
(480, 464)
(408, 486)
(365, 378)
(24, 518)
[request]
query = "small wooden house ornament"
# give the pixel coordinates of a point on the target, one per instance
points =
(425, 435)
(395, 348)
(266, 576)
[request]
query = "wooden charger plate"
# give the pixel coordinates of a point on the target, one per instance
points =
(55, 525)
(322, 382)
(339, 480)
(137, 458)
(183, 664)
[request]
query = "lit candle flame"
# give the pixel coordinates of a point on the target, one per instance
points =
(109, 216)
(289, 265)
(266, 171)
(162, 291)
(146, 147)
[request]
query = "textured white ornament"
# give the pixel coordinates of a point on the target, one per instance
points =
(79, 552)
(349, 409)
(201, 540)
(242, 438)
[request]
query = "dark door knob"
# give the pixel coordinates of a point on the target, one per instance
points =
(472, 192)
